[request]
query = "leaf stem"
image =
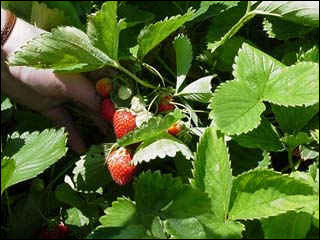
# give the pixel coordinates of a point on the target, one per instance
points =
(291, 165)
(167, 68)
(235, 28)
(143, 83)
(248, 7)
(154, 72)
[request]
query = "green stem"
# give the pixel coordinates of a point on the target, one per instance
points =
(154, 72)
(248, 7)
(166, 67)
(297, 165)
(143, 83)
(291, 165)
(235, 28)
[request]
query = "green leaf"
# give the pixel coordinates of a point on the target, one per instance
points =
(160, 146)
(290, 225)
(199, 90)
(263, 193)
(301, 12)
(76, 218)
(65, 49)
(310, 55)
(129, 232)
(133, 15)
(226, 54)
(315, 218)
(304, 177)
(212, 171)
(283, 30)
(255, 67)
(20, 9)
(213, 8)
(152, 192)
(154, 197)
(294, 86)
(243, 159)
(190, 202)
(90, 172)
(104, 29)
(157, 228)
(237, 105)
(71, 13)
(154, 127)
(122, 213)
(64, 193)
(183, 167)
(222, 23)
(183, 48)
(266, 161)
(293, 119)
(292, 141)
(47, 18)
(7, 169)
(220, 230)
(315, 135)
(264, 137)
(229, 31)
(29, 206)
(5, 103)
(308, 152)
(40, 151)
(188, 228)
(153, 34)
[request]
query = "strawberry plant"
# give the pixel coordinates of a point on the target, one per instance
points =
(212, 122)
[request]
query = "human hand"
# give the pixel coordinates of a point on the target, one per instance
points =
(45, 91)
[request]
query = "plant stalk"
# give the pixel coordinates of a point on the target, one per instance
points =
(143, 83)
(235, 28)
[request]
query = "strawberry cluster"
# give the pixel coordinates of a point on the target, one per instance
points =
(124, 121)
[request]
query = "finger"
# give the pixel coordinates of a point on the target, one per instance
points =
(63, 119)
(23, 94)
(104, 127)
(81, 90)
(45, 82)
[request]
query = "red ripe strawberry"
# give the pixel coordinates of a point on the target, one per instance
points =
(123, 122)
(175, 129)
(120, 167)
(63, 229)
(107, 109)
(104, 86)
(58, 232)
(165, 105)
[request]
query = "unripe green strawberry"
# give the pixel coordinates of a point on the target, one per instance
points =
(104, 87)
(124, 122)
(107, 109)
(165, 105)
(120, 167)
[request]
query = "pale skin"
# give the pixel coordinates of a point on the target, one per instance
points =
(44, 91)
